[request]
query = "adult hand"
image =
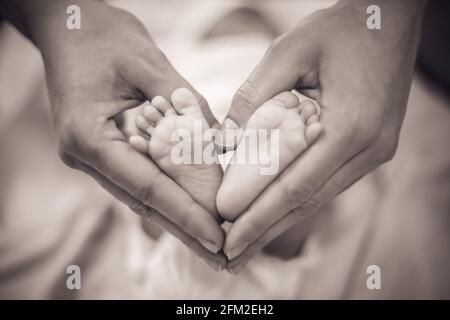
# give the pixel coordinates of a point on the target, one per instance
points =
(94, 75)
(361, 79)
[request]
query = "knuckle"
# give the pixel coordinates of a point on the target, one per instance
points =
(277, 45)
(355, 131)
(257, 228)
(194, 244)
(385, 144)
(159, 57)
(140, 209)
(273, 47)
(259, 244)
(67, 138)
(145, 193)
(363, 134)
(366, 136)
(186, 219)
(251, 230)
(295, 193)
(306, 208)
(246, 97)
(148, 60)
(67, 159)
(385, 149)
(72, 141)
(154, 61)
(202, 101)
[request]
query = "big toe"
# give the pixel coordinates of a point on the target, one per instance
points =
(184, 101)
(287, 99)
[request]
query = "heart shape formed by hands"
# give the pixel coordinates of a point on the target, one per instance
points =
(178, 139)
(96, 74)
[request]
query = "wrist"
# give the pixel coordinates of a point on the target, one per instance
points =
(43, 22)
(410, 5)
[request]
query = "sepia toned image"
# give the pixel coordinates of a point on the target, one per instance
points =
(224, 149)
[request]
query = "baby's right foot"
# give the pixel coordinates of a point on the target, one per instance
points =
(298, 126)
(159, 121)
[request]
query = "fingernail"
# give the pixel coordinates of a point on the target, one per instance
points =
(238, 269)
(216, 267)
(233, 253)
(211, 246)
(235, 270)
(229, 124)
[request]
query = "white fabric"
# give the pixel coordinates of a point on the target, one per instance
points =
(166, 269)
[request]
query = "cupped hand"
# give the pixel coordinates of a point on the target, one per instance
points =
(94, 75)
(360, 78)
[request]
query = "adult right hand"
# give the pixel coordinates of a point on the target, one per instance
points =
(94, 75)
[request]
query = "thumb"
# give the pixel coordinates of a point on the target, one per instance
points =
(157, 77)
(281, 69)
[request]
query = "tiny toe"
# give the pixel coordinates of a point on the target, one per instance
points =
(308, 109)
(139, 143)
(313, 132)
(150, 130)
(152, 114)
(142, 124)
(163, 105)
(184, 101)
(312, 119)
(288, 99)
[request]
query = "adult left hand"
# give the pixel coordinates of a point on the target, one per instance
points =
(361, 79)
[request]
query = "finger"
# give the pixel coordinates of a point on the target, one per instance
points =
(292, 187)
(350, 172)
(139, 143)
(134, 172)
(159, 78)
(217, 261)
(280, 70)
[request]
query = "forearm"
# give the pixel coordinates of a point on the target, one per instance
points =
(43, 21)
(400, 28)
(398, 14)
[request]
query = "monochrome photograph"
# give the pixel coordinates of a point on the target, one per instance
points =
(224, 150)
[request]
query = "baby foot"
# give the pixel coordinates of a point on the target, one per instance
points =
(160, 122)
(298, 126)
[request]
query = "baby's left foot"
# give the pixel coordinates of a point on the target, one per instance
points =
(298, 127)
(160, 121)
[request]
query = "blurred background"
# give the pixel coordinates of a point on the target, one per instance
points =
(397, 217)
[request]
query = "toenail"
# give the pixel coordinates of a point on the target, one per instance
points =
(158, 100)
(308, 103)
(217, 267)
(209, 245)
(312, 119)
(288, 99)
